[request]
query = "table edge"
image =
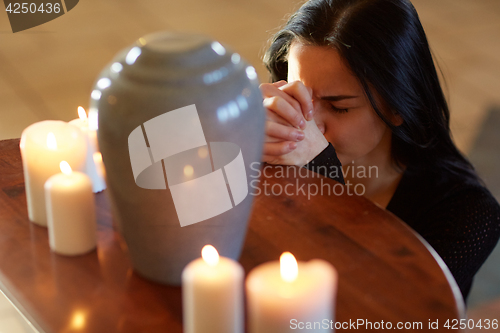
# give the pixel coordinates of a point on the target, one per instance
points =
(459, 300)
(6, 291)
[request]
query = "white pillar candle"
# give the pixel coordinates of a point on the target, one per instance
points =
(212, 294)
(89, 130)
(43, 146)
(285, 296)
(70, 212)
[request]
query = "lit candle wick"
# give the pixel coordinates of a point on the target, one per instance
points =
(82, 114)
(210, 255)
(65, 168)
(289, 268)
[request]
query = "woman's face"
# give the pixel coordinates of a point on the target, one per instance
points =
(342, 111)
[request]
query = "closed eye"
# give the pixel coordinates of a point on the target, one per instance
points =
(337, 110)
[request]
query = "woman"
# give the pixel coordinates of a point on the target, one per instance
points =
(355, 83)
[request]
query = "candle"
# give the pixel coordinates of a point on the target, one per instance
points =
(287, 296)
(43, 146)
(212, 294)
(99, 165)
(89, 130)
(70, 212)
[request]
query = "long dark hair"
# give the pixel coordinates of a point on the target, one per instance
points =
(386, 48)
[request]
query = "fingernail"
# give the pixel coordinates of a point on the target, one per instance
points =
(292, 145)
(302, 124)
(300, 136)
(310, 115)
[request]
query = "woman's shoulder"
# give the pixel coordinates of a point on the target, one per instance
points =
(462, 190)
(467, 205)
(450, 211)
(440, 193)
(457, 215)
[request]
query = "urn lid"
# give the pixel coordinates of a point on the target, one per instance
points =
(180, 58)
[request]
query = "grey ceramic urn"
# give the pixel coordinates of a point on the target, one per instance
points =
(180, 129)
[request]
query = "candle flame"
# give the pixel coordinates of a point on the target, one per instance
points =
(210, 255)
(51, 141)
(65, 168)
(289, 268)
(82, 114)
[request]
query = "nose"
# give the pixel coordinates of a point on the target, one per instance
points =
(321, 126)
(318, 117)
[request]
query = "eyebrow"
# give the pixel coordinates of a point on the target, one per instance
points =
(337, 98)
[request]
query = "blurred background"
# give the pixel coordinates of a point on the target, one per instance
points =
(48, 71)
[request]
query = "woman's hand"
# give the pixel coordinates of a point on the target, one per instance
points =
(292, 136)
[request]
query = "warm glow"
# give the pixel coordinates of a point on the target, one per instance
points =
(78, 320)
(288, 267)
(188, 170)
(97, 158)
(51, 141)
(202, 152)
(93, 119)
(210, 255)
(65, 168)
(82, 114)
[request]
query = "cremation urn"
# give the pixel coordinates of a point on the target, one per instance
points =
(180, 129)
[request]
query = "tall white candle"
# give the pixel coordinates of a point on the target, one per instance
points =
(43, 146)
(70, 212)
(89, 130)
(212, 294)
(287, 296)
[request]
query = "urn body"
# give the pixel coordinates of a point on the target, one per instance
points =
(180, 129)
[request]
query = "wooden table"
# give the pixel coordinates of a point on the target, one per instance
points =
(385, 272)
